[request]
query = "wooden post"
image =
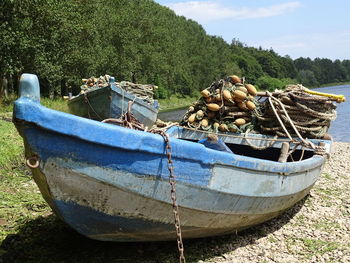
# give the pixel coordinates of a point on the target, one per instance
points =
(284, 152)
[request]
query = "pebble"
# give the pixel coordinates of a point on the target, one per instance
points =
(319, 233)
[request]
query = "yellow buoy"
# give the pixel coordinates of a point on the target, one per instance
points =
(213, 107)
(241, 88)
(239, 95)
(240, 122)
(227, 95)
(199, 115)
(235, 79)
(205, 93)
(192, 118)
(251, 89)
(204, 123)
(250, 105)
(191, 109)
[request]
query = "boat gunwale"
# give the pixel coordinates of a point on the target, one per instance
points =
(31, 111)
(117, 89)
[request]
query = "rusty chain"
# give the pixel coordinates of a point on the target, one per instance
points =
(173, 196)
(130, 122)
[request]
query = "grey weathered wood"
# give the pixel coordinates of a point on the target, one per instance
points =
(284, 152)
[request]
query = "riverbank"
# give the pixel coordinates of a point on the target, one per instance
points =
(334, 84)
(175, 103)
(317, 229)
(314, 230)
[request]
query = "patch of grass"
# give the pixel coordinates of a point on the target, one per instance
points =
(56, 104)
(328, 193)
(326, 225)
(6, 104)
(19, 196)
(328, 177)
(312, 246)
(272, 239)
(300, 219)
(11, 147)
(176, 102)
(316, 246)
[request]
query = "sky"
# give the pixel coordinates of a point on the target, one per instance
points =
(304, 28)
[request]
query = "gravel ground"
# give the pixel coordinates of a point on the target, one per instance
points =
(315, 230)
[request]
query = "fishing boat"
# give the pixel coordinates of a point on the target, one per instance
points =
(111, 101)
(111, 183)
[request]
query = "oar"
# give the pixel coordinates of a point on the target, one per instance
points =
(338, 98)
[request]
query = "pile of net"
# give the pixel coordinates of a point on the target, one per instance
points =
(144, 92)
(231, 105)
(294, 111)
(227, 105)
(93, 83)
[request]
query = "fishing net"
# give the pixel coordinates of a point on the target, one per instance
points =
(227, 105)
(311, 115)
(231, 105)
(144, 92)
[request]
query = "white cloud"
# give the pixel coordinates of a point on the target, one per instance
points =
(206, 11)
(333, 45)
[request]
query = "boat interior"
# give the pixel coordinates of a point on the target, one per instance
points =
(254, 145)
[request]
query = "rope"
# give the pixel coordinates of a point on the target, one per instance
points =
(258, 147)
(294, 113)
(278, 117)
(241, 136)
(306, 143)
(329, 116)
(86, 100)
(123, 102)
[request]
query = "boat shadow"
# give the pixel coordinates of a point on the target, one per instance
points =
(47, 239)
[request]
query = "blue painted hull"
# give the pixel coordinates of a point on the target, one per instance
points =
(111, 183)
(111, 102)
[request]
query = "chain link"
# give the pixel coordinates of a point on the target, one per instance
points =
(173, 196)
(130, 122)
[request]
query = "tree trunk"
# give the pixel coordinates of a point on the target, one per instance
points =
(15, 81)
(4, 88)
(64, 88)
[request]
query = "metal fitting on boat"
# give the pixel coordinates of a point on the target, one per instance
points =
(33, 162)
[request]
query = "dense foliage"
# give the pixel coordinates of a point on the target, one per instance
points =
(139, 40)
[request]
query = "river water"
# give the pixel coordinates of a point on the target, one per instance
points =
(339, 129)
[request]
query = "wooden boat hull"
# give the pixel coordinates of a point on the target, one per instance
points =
(117, 214)
(111, 102)
(111, 183)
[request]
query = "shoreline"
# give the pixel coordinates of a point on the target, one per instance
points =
(317, 229)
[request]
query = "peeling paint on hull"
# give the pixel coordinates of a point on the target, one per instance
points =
(106, 212)
(113, 212)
